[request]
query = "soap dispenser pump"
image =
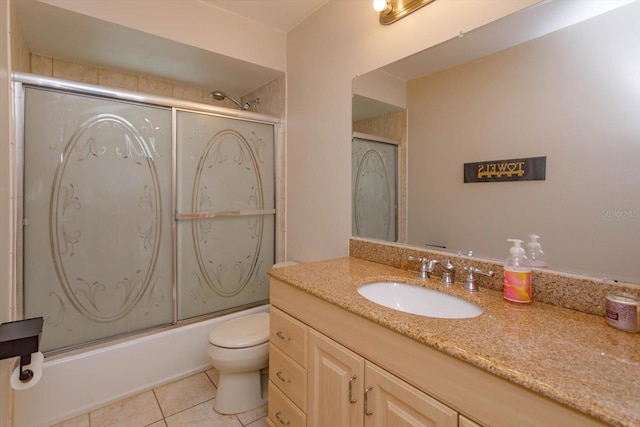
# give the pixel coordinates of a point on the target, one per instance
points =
(517, 275)
(534, 252)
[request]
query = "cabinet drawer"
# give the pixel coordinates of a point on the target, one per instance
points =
(289, 377)
(282, 411)
(288, 335)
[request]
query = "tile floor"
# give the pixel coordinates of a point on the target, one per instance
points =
(184, 403)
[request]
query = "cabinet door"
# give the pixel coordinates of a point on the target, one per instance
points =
(392, 402)
(466, 422)
(335, 383)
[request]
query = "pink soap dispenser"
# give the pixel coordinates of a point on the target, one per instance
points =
(517, 275)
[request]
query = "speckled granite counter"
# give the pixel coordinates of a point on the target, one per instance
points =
(572, 357)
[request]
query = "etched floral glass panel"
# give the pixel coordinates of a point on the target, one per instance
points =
(374, 208)
(225, 197)
(98, 219)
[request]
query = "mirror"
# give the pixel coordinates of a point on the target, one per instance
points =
(524, 86)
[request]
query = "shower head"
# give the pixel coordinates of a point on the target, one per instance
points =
(219, 95)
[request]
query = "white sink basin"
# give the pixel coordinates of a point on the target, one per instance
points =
(417, 300)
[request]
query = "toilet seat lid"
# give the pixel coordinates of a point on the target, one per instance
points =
(243, 331)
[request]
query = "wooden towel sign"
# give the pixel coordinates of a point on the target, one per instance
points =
(529, 169)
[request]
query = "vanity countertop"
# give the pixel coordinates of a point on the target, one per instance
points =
(571, 357)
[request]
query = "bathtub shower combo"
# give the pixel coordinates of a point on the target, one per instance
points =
(139, 212)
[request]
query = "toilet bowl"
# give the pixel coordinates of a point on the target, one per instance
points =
(239, 349)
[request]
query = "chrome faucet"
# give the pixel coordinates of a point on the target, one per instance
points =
(424, 269)
(447, 270)
(470, 282)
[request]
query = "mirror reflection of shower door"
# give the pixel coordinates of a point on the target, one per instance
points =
(226, 212)
(97, 215)
(374, 189)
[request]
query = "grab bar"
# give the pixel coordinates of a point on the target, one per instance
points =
(202, 215)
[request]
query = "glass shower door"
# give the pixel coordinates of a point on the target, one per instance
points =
(97, 216)
(373, 189)
(225, 212)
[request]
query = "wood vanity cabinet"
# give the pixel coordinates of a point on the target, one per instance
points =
(316, 382)
(347, 390)
(324, 359)
(287, 370)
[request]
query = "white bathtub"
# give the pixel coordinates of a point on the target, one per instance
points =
(73, 385)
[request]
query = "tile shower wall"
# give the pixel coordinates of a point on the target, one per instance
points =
(272, 102)
(58, 68)
(392, 126)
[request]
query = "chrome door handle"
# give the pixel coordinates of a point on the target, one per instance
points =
(351, 399)
(366, 401)
(283, 379)
(281, 421)
(283, 337)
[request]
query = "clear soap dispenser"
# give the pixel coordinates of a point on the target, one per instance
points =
(536, 257)
(517, 275)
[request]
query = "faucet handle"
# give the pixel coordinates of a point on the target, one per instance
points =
(447, 270)
(424, 269)
(470, 282)
(447, 274)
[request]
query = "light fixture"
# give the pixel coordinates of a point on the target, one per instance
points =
(392, 10)
(380, 5)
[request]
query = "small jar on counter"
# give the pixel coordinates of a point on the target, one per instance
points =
(623, 312)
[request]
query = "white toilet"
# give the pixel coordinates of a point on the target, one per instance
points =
(239, 349)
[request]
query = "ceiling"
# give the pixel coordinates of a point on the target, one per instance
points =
(103, 44)
(281, 15)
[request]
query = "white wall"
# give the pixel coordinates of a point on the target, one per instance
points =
(191, 22)
(383, 87)
(341, 40)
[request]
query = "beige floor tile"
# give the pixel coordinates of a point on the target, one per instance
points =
(160, 423)
(262, 422)
(136, 411)
(79, 421)
(202, 415)
(185, 393)
(248, 417)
